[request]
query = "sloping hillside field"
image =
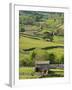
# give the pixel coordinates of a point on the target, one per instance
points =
(41, 40)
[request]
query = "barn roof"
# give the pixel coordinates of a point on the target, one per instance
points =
(42, 62)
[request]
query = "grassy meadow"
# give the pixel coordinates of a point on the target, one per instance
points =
(41, 38)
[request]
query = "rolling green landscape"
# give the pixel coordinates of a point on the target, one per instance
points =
(41, 38)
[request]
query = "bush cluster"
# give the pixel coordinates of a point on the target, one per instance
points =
(41, 55)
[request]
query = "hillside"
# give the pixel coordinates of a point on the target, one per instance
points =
(41, 38)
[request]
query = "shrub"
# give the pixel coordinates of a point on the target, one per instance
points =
(21, 28)
(21, 62)
(62, 59)
(26, 61)
(52, 58)
(41, 55)
(32, 55)
(48, 35)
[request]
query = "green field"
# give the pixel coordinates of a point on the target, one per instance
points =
(29, 73)
(41, 38)
(26, 42)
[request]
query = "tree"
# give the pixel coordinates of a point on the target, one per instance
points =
(21, 28)
(48, 35)
(24, 20)
(33, 54)
(52, 58)
(62, 59)
(41, 55)
(38, 17)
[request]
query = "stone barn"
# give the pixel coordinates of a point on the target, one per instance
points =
(42, 66)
